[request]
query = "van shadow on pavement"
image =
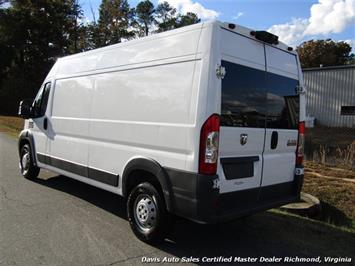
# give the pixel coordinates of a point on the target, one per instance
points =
(265, 234)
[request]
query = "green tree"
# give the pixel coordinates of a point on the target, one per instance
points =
(91, 36)
(114, 22)
(7, 36)
(145, 17)
(34, 34)
(188, 19)
(87, 37)
(165, 17)
(314, 53)
(77, 27)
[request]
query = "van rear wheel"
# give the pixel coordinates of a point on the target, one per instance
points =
(147, 214)
(27, 167)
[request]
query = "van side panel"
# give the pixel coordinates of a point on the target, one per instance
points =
(143, 112)
(204, 104)
(69, 125)
(145, 50)
(128, 100)
(167, 46)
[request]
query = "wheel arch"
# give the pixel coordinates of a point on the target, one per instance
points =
(27, 137)
(155, 173)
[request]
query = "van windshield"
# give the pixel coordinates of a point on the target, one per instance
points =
(255, 98)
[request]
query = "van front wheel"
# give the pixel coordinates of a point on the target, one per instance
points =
(27, 167)
(147, 213)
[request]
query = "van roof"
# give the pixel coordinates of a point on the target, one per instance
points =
(235, 28)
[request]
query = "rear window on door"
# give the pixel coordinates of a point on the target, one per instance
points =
(282, 102)
(255, 98)
(243, 96)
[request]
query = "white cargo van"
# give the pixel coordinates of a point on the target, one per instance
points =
(204, 122)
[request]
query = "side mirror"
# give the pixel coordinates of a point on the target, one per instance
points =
(25, 108)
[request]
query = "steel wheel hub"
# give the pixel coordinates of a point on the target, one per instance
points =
(25, 161)
(145, 212)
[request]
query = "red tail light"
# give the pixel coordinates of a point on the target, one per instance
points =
(209, 142)
(300, 143)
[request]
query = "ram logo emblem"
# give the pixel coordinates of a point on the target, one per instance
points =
(243, 139)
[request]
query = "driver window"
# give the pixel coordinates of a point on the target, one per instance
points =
(40, 102)
(36, 107)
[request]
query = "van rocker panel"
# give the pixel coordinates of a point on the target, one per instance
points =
(81, 170)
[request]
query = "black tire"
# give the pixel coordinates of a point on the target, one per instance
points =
(158, 222)
(27, 167)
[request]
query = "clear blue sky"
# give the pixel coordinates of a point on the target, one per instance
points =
(292, 20)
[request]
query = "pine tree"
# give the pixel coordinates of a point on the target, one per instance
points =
(188, 19)
(166, 17)
(35, 34)
(114, 22)
(145, 17)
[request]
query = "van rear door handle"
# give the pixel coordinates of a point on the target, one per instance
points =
(274, 140)
(45, 123)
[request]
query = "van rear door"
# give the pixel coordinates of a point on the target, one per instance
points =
(243, 114)
(259, 119)
(282, 117)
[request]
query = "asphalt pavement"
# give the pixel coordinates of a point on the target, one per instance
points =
(55, 220)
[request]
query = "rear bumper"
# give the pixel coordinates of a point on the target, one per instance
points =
(196, 198)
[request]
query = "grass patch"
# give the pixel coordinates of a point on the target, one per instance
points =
(337, 197)
(305, 220)
(331, 146)
(336, 172)
(330, 136)
(11, 125)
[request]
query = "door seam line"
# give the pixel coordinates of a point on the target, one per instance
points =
(263, 151)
